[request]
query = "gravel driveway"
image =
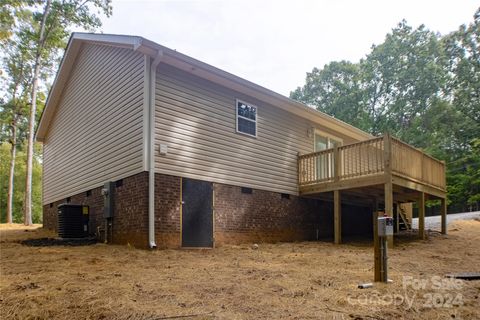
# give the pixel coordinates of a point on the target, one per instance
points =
(434, 222)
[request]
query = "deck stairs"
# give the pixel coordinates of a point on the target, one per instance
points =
(404, 223)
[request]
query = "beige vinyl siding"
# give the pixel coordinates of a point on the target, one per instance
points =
(96, 134)
(196, 120)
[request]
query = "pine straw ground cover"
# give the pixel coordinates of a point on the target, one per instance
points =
(308, 280)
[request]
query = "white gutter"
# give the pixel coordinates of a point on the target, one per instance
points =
(151, 151)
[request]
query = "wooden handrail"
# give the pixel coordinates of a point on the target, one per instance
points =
(354, 144)
(316, 153)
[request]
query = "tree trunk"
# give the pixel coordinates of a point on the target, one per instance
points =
(32, 118)
(13, 155)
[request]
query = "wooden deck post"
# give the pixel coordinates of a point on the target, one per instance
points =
(389, 207)
(376, 243)
(443, 211)
(387, 145)
(396, 210)
(421, 216)
(337, 217)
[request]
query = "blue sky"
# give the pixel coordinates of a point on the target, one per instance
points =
(274, 43)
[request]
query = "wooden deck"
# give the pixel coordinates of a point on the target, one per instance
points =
(381, 170)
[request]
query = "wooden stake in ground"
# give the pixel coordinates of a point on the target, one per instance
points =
(27, 215)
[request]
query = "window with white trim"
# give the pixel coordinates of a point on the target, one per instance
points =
(246, 118)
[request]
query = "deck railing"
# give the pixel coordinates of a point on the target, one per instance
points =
(413, 164)
(361, 159)
(370, 157)
(310, 168)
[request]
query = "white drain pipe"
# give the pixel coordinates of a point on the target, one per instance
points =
(151, 152)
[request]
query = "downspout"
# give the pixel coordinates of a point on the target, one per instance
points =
(151, 151)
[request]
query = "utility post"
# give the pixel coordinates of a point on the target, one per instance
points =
(382, 230)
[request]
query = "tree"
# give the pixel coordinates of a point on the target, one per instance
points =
(463, 48)
(336, 90)
(46, 35)
(19, 178)
(394, 85)
(12, 113)
(33, 112)
(16, 65)
(10, 11)
(420, 86)
(404, 76)
(464, 179)
(11, 117)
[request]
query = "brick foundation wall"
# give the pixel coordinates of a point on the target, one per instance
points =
(167, 210)
(261, 216)
(94, 201)
(130, 222)
(264, 216)
(130, 219)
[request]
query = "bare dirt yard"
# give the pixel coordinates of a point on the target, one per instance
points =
(307, 280)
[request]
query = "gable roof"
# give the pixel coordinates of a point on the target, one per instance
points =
(190, 65)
